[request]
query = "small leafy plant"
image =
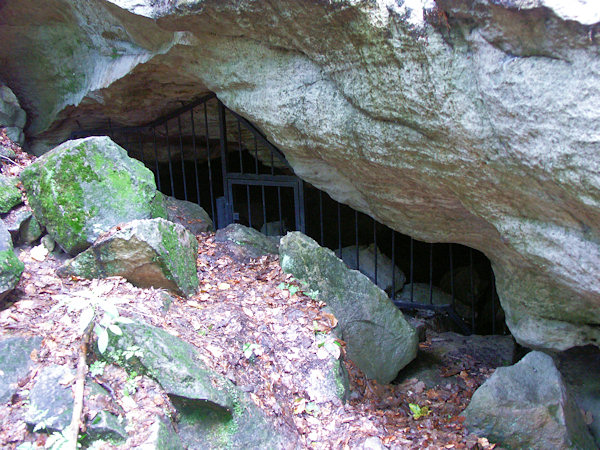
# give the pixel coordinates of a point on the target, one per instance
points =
(97, 368)
(418, 411)
(251, 350)
(289, 287)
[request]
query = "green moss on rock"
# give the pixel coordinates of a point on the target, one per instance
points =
(84, 187)
(10, 271)
(10, 196)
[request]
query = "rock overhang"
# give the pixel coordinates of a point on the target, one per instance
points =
(449, 131)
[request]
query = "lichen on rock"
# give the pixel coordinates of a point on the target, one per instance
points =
(84, 187)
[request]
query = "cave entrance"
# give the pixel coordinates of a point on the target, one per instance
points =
(207, 154)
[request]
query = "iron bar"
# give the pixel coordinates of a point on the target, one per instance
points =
(321, 216)
(156, 159)
(280, 212)
(185, 195)
(375, 249)
(472, 289)
(169, 157)
(393, 265)
(412, 264)
(142, 148)
(223, 139)
(209, 158)
(356, 239)
(339, 228)
(195, 153)
(451, 275)
(431, 273)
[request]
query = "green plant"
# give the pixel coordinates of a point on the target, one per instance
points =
(251, 350)
(418, 411)
(95, 309)
(130, 386)
(290, 287)
(97, 368)
(58, 441)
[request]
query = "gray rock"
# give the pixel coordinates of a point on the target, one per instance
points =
(379, 340)
(84, 187)
(580, 368)
(162, 436)
(107, 427)
(51, 403)
(22, 225)
(245, 243)
(528, 406)
(461, 278)
(10, 266)
(12, 115)
(275, 228)
(214, 412)
(366, 265)
(450, 350)
(419, 293)
(10, 196)
(48, 242)
(190, 215)
(151, 252)
(15, 362)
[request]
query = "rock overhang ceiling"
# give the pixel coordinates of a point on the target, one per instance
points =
(471, 121)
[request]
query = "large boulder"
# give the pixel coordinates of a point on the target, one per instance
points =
(369, 259)
(15, 361)
(214, 413)
(12, 116)
(50, 400)
(86, 186)
(149, 253)
(10, 196)
(10, 266)
(190, 215)
(528, 406)
(440, 119)
(379, 340)
(243, 243)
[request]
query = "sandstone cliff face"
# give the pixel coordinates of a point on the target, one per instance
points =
(473, 121)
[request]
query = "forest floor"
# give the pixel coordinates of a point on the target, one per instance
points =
(235, 306)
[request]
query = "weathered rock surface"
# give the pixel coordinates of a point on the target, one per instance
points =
(445, 124)
(12, 116)
(580, 368)
(106, 426)
(15, 362)
(22, 225)
(448, 350)
(190, 215)
(86, 186)
(528, 406)
(10, 196)
(214, 412)
(245, 243)
(151, 252)
(162, 436)
(370, 257)
(379, 340)
(420, 293)
(50, 402)
(10, 266)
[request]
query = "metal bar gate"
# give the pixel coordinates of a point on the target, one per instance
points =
(205, 153)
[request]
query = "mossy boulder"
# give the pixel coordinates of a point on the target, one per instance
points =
(191, 215)
(379, 339)
(10, 266)
(10, 196)
(214, 413)
(149, 253)
(527, 405)
(86, 186)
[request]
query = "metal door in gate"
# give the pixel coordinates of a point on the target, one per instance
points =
(259, 175)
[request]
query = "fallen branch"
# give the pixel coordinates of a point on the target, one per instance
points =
(72, 431)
